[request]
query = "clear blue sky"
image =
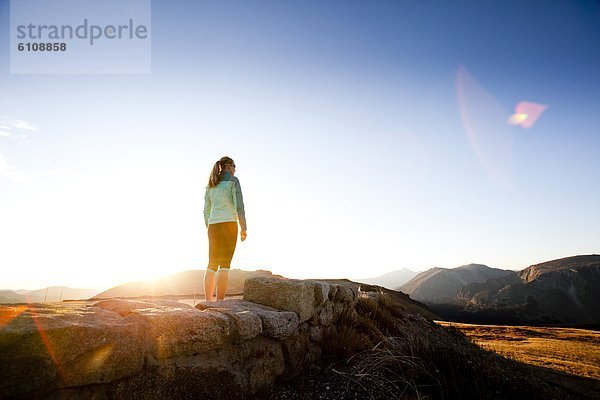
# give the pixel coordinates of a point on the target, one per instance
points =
(344, 121)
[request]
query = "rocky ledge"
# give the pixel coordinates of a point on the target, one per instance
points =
(162, 349)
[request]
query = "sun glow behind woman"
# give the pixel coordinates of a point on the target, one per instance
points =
(352, 150)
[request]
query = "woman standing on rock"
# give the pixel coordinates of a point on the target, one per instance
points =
(223, 208)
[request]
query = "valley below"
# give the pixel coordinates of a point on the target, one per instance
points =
(567, 350)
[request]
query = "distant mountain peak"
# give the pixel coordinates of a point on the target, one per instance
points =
(473, 266)
(581, 261)
(440, 285)
(390, 280)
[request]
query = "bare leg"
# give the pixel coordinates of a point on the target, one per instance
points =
(209, 285)
(222, 282)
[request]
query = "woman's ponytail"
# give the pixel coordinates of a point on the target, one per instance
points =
(213, 179)
(216, 175)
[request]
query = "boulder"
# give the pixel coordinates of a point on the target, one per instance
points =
(248, 324)
(321, 292)
(325, 316)
(298, 296)
(278, 324)
(345, 294)
(49, 345)
(264, 362)
(275, 323)
(294, 350)
(245, 324)
(300, 352)
(169, 303)
(175, 331)
(123, 307)
(332, 291)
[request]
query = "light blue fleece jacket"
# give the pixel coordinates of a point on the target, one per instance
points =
(224, 202)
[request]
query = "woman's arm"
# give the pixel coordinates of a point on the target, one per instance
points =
(239, 203)
(207, 206)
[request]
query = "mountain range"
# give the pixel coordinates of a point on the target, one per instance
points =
(441, 285)
(184, 283)
(562, 291)
(50, 294)
(391, 280)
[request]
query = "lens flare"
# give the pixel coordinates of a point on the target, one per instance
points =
(517, 119)
(35, 317)
(484, 122)
(526, 114)
(9, 313)
(29, 314)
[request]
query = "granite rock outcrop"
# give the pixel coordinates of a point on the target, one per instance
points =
(145, 349)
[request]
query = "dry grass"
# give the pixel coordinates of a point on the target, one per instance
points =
(382, 350)
(397, 354)
(574, 351)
